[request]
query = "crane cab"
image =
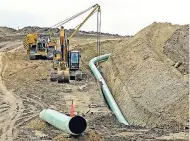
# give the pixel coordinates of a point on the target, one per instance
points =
(74, 60)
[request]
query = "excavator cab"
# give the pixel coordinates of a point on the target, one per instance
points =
(74, 60)
(74, 65)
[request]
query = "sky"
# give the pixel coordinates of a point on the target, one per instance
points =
(124, 17)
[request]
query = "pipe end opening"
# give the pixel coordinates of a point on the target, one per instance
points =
(77, 125)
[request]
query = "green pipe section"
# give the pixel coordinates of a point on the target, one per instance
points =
(71, 125)
(113, 105)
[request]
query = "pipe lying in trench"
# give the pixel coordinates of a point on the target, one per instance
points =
(71, 125)
(109, 98)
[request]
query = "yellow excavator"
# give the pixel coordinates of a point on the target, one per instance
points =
(66, 63)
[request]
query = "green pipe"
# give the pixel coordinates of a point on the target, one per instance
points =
(71, 125)
(109, 98)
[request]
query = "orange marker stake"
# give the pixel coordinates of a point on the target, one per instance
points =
(72, 110)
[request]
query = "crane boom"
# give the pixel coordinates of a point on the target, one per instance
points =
(69, 19)
(64, 42)
(97, 7)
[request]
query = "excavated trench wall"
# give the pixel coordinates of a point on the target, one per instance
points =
(148, 89)
(177, 48)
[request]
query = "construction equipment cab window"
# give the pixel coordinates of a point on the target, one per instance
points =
(74, 60)
(74, 57)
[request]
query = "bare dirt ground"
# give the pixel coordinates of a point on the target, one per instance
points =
(25, 90)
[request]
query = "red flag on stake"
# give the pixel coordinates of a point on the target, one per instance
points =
(72, 109)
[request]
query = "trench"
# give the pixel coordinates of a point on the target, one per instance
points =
(104, 88)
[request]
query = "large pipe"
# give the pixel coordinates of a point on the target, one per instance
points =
(71, 125)
(109, 98)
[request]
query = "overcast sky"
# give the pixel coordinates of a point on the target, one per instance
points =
(125, 17)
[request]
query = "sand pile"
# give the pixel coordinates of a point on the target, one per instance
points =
(177, 48)
(148, 89)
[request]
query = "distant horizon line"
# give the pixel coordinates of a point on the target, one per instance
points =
(17, 29)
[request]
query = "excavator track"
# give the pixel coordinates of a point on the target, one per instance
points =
(53, 76)
(32, 57)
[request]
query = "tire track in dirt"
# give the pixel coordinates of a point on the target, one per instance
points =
(34, 111)
(14, 111)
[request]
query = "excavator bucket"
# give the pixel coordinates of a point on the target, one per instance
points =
(63, 76)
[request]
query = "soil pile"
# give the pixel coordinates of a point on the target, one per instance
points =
(148, 89)
(7, 31)
(177, 49)
(47, 30)
(33, 29)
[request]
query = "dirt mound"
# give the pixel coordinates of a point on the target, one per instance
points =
(7, 31)
(46, 30)
(177, 48)
(33, 29)
(148, 89)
